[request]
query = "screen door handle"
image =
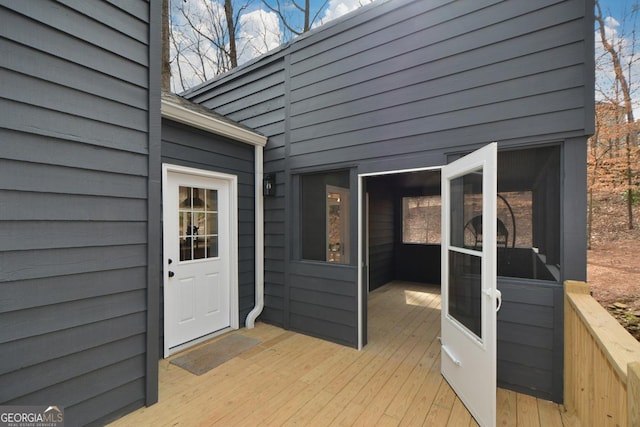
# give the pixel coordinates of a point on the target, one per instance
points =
(488, 292)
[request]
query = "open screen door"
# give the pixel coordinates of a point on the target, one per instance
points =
(469, 292)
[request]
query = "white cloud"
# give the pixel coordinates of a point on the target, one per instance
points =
(199, 27)
(337, 8)
(259, 33)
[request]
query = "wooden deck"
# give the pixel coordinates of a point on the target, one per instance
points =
(293, 379)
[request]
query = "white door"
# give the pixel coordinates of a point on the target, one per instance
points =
(197, 252)
(469, 292)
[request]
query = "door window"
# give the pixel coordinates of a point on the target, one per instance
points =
(198, 223)
(465, 282)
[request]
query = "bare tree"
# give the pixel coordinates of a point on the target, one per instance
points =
(620, 49)
(166, 64)
(296, 16)
(203, 38)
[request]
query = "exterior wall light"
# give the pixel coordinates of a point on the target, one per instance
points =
(269, 185)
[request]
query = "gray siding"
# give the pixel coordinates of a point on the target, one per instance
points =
(527, 343)
(74, 160)
(186, 146)
(407, 83)
(257, 98)
(381, 234)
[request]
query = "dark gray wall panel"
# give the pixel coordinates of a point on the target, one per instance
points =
(55, 151)
(76, 25)
(381, 235)
(54, 290)
(72, 76)
(55, 371)
(41, 121)
(140, 10)
(57, 43)
(26, 235)
(527, 324)
(321, 301)
(60, 344)
(75, 128)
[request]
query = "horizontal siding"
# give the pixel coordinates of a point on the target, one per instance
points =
(381, 235)
(257, 99)
(185, 146)
(322, 301)
(52, 38)
(70, 154)
(73, 205)
(527, 354)
(446, 88)
(402, 84)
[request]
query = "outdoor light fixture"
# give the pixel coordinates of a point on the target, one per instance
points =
(269, 185)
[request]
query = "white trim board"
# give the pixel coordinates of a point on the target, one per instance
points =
(174, 111)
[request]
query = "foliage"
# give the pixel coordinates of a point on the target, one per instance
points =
(613, 154)
(635, 197)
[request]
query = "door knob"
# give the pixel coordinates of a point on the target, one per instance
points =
(171, 274)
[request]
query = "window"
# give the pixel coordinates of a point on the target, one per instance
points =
(421, 219)
(198, 223)
(324, 217)
(529, 213)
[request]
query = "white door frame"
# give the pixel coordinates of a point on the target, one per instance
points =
(232, 180)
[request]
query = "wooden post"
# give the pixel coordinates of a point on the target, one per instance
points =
(633, 394)
(571, 342)
(575, 287)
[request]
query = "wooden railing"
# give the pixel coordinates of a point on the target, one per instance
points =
(601, 363)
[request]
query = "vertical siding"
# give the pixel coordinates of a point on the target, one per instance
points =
(186, 146)
(74, 125)
(403, 84)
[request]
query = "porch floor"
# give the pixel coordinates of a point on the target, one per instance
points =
(293, 379)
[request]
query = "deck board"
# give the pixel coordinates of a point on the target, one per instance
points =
(292, 379)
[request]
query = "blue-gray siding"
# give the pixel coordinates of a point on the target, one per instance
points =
(405, 84)
(382, 234)
(74, 195)
(185, 146)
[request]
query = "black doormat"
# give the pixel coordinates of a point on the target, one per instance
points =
(205, 358)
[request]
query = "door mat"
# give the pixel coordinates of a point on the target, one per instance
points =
(205, 358)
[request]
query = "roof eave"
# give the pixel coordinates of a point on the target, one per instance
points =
(173, 111)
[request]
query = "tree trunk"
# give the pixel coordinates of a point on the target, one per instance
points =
(629, 183)
(166, 67)
(589, 218)
(231, 28)
(307, 8)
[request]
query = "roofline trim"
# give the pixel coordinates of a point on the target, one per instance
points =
(178, 113)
